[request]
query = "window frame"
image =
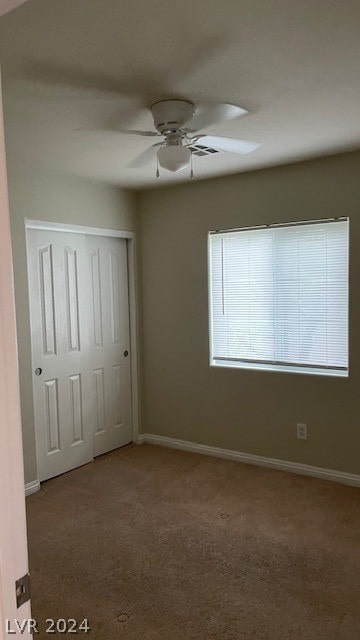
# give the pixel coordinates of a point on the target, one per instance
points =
(273, 366)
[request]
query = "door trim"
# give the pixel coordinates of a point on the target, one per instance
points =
(129, 236)
(13, 540)
(44, 225)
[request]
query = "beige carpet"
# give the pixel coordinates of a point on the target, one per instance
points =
(151, 543)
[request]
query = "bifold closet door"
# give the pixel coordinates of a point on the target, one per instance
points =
(62, 385)
(110, 343)
(80, 332)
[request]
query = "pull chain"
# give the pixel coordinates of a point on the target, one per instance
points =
(157, 166)
(191, 166)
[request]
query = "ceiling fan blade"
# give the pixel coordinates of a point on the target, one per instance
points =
(228, 144)
(136, 132)
(144, 158)
(208, 114)
(133, 132)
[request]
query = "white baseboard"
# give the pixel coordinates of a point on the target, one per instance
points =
(261, 461)
(141, 439)
(32, 487)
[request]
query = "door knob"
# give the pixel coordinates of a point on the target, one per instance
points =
(38, 371)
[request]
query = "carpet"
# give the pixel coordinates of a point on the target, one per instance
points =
(152, 543)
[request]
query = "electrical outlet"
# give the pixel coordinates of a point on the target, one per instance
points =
(301, 431)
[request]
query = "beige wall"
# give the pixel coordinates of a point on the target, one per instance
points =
(181, 396)
(250, 411)
(58, 199)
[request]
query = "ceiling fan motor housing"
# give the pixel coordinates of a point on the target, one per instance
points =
(171, 115)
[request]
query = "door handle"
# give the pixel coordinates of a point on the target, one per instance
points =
(126, 353)
(38, 371)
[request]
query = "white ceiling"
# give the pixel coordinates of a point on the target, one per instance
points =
(294, 64)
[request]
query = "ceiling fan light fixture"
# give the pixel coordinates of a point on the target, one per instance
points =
(174, 157)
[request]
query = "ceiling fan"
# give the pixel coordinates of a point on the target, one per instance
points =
(179, 124)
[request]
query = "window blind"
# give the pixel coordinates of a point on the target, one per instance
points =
(280, 295)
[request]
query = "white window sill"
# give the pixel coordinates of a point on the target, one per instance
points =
(259, 366)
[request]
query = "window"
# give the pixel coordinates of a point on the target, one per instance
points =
(279, 297)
